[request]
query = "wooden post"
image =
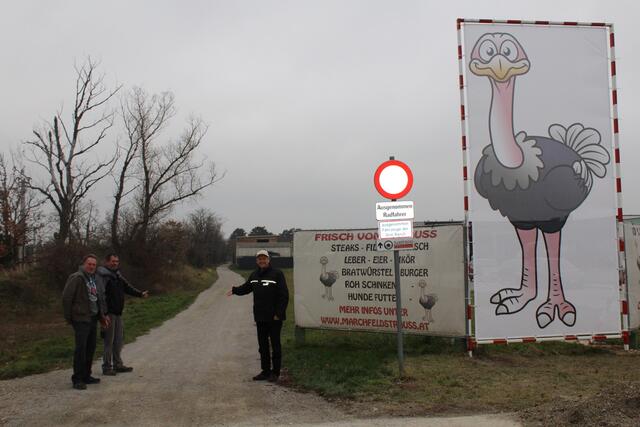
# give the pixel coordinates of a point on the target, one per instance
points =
(299, 334)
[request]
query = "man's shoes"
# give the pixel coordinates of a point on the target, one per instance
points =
(273, 378)
(124, 369)
(80, 386)
(262, 376)
(91, 380)
(109, 372)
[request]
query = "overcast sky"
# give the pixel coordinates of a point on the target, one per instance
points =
(304, 98)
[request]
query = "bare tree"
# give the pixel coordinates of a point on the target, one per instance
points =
(164, 175)
(206, 242)
(18, 209)
(85, 225)
(65, 150)
(143, 120)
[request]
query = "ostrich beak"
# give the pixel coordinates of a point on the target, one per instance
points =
(499, 68)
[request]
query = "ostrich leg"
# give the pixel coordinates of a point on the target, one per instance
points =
(512, 300)
(323, 272)
(421, 298)
(555, 299)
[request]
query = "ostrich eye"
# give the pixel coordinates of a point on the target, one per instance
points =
(487, 50)
(509, 50)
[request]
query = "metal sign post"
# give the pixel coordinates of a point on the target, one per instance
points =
(396, 269)
(393, 179)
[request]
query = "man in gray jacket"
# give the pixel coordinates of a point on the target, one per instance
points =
(114, 286)
(83, 306)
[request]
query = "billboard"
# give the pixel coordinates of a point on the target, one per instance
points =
(342, 282)
(632, 248)
(537, 105)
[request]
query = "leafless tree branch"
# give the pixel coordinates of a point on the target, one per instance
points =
(64, 149)
(165, 174)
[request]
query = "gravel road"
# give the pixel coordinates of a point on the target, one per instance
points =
(195, 369)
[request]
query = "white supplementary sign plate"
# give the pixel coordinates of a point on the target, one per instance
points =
(395, 230)
(386, 211)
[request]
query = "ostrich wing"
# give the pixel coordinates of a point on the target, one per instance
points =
(565, 190)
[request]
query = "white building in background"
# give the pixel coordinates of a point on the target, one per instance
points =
(280, 250)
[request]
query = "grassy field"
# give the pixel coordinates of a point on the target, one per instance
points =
(34, 338)
(547, 383)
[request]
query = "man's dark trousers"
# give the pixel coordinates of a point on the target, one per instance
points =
(85, 334)
(270, 332)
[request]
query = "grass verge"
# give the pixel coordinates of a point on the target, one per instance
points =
(35, 339)
(544, 382)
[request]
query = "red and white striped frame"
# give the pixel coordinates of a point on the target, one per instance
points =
(624, 305)
(467, 229)
(622, 263)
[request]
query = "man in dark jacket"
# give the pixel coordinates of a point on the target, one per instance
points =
(114, 286)
(82, 307)
(270, 300)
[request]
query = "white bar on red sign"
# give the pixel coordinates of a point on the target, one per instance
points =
(403, 244)
(395, 229)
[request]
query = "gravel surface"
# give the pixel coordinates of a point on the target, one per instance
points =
(195, 369)
(617, 405)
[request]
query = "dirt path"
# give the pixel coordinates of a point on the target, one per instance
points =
(193, 370)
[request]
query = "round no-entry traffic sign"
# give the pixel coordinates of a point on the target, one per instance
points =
(393, 179)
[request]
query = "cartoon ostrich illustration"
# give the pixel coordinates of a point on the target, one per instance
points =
(637, 252)
(427, 301)
(328, 278)
(533, 181)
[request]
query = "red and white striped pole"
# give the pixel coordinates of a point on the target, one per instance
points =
(467, 242)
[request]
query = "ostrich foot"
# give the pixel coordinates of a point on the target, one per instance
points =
(545, 314)
(511, 300)
(547, 311)
(567, 313)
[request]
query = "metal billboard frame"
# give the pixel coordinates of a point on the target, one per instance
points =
(472, 342)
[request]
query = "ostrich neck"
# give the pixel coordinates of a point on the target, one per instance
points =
(504, 144)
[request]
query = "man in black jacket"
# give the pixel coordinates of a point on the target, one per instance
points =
(114, 286)
(83, 306)
(270, 300)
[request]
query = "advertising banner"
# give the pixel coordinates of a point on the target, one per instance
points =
(342, 282)
(541, 185)
(632, 248)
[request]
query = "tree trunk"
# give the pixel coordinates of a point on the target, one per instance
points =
(115, 240)
(63, 230)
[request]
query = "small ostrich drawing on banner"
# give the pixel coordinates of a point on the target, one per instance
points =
(328, 278)
(536, 182)
(427, 301)
(636, 240)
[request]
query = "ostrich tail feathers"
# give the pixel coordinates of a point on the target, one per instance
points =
(586, 143)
